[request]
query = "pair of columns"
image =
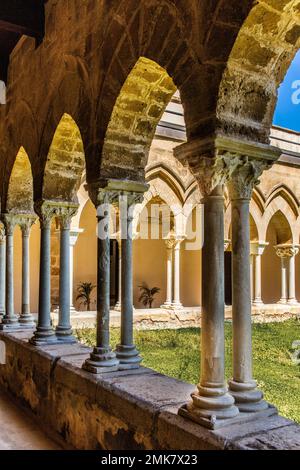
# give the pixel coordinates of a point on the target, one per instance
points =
(217, 162)
(9, 319)
(287, 254)
(125, 195)
(45, 333)
(173, 245)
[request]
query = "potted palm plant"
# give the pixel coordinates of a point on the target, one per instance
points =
(148, 294)
(85, 290)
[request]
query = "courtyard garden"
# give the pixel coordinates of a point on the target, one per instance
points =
(176, 353)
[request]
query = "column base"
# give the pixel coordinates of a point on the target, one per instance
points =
(292, 302)
(257, 303)
(166, 305)
(43, 336)
(176, 306)
(282, 301)
(68, 339)
(11, 323)
(214, 423)
(27, 321)
(247, 397)
(128, 356)
(65, 335)
(102, 360)
(211, 404)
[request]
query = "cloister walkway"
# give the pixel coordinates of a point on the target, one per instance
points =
(20, 432)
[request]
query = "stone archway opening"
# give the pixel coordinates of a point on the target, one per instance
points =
(63, 172)
(20, 188)
(279, 232)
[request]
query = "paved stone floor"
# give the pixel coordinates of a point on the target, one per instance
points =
(18, 431)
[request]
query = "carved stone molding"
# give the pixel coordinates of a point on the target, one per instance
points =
(215, 160)
(286, 251)
(46, 210)
(110, 192)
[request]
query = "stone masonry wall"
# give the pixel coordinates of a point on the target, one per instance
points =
(121, 410)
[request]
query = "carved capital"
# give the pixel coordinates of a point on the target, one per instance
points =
(66, 215)
(226, 244)
(10, 223)
(170, 243)
(211, 172)
(46, 210)
(244, 176)
(215, 159)
(286, 251)
(25, 223)
(110, 191)
(2, 234)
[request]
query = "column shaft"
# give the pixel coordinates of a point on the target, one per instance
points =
(10, 320)
(284, 283)
(242, 387)
(63, 329)
(103, 359)
(292, 281)
(118, 304)
(26, 319)
(44, 333)
(2, 274)
(176, 301)
(168, 301)
(257, 283)
(126, 351)
(212, 398)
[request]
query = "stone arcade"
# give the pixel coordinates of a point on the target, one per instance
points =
(87, 86)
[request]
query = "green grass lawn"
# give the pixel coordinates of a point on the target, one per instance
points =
(176, 353)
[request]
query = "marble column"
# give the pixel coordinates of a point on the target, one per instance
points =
(44, 333)
(170, 242)
(102, 359)
(26, 320)
(2, 270)
(10, 320)
(242, 387)
(212, 402)
(176, 304)
(257, 250)
(118, 304)
(74, 233)
(287, 254)
(126, 351)
(64, 331)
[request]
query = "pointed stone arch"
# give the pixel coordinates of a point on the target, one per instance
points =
(65, 162)
(283, 228)
(282, 190)
(20, 187)
(136, 113)
(261, 55)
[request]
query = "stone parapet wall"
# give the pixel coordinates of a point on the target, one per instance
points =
(120, 410)
(161, 318)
